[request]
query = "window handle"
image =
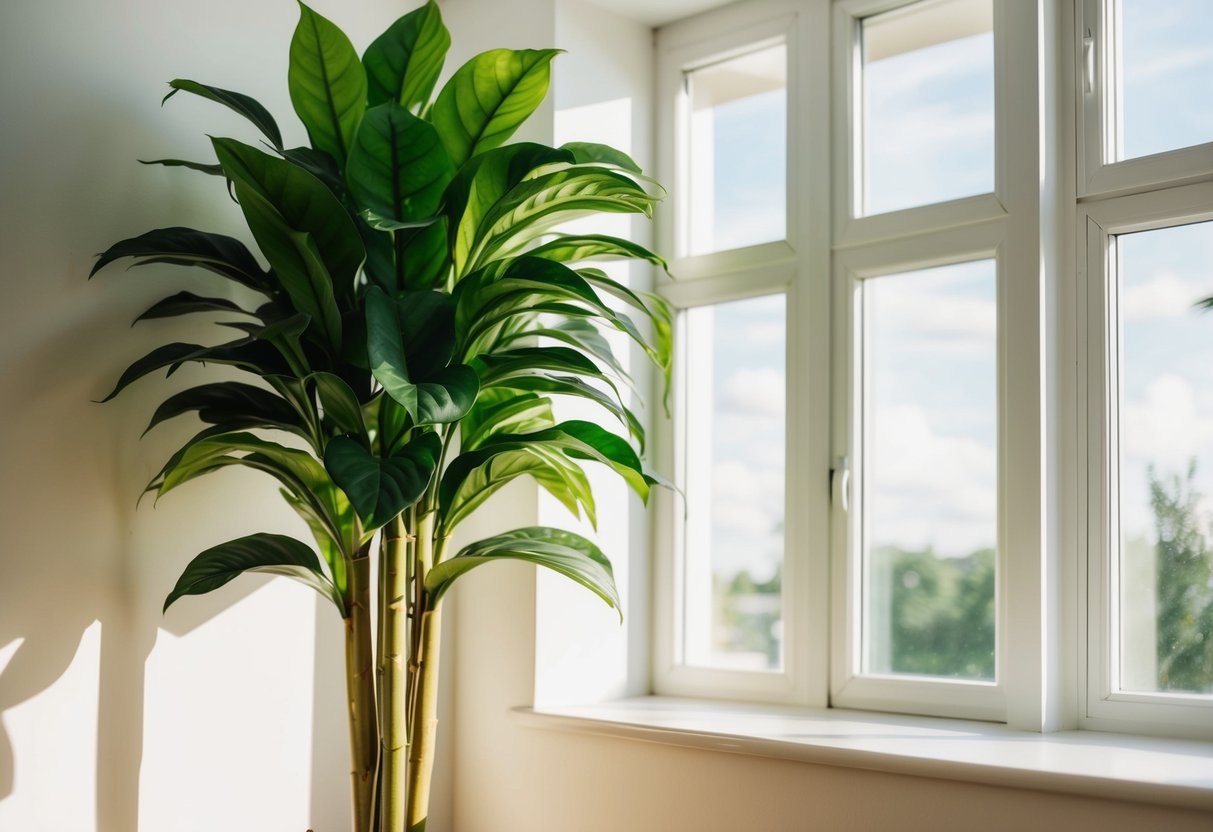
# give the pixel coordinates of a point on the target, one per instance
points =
(841, 476)
(1088, 62)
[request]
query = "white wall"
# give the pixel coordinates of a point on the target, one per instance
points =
(227, 713)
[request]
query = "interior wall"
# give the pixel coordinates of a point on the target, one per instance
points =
(228, 712)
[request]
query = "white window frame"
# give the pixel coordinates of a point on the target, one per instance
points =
(1105, 707)
(1096, 46)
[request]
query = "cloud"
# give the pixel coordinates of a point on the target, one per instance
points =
(1164, 295)
(924, 310)
(1167, 427)
(755, 392)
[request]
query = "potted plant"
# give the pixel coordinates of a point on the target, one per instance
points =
(417, 315)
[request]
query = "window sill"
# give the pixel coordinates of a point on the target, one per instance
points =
(1148, 770)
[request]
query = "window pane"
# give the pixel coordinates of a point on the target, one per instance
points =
(930, 471)
(1166, 460)
(928, 104)
(1166, 73)
(738, 152)
(735, 484)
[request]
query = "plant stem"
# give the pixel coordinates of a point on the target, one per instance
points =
(424, 725)
(393, 655)
(360, 690)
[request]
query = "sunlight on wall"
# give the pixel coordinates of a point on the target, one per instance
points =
(56, 730)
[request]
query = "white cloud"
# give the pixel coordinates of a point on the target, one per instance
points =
(1164, 295)
(919, 310)
(755, 392)
(1167, 427)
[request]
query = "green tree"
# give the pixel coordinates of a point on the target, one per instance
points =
(1184, 585)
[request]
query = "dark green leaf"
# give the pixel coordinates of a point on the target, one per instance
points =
(247, 354)
(272, 553)
(340, 404)
(235, 405)
(424, 257)
(487, 98)
(380, 265)
(397, 167)
(238, 102)
(201, 167)
(185, 303)
(591, 153)
(569, 554)
(403, 64)
(327, 83)
(380, 489)
(222, 255)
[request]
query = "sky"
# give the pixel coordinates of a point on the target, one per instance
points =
(933, 467)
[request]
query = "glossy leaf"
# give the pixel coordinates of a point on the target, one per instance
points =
(397, 167)
(327, 83)
(487, 99)
(441, 397)
(340, 404)
(569, 554)
(403, 64)
(234, 404)
(301, 228)
(555, 473)
(572, 248)
(424, 258)
(593, 153)
(272, 553)
(504, 411)
(380, 489)
(187, 303)
(235, 101)
(246, 353)
(225, 256)
(201, 167)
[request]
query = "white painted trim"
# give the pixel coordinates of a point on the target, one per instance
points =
(1106, 766)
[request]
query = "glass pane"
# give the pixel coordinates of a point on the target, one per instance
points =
(928, 104)
(735, 484)
(738, 152)
(1166, 460)
(1166, 70)
(930, 491)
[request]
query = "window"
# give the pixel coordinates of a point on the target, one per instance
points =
(939, 370)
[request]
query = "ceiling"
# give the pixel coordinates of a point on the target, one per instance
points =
(658, 12)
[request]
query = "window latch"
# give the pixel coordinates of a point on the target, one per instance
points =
(1088, 62)
(841, 483)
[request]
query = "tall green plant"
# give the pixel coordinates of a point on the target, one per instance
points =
(417, 316)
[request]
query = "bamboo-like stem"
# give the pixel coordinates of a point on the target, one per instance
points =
(360, 692)
(424, 726)
(393, 717)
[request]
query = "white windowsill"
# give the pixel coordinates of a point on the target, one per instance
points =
(1162, 771)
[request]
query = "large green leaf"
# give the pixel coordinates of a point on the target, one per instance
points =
(380, 489)
(424, 257)
(301, 228)
(571, 248)
(504, 411)
(593, 153)
(483, 181)
(250, 354)
(440, 396)
(487, 98)
(569, 554)
(235, 101)
(579, 388)
(262, 552)
(341, 406)
(177, 246)
(397, 168)
(558, 475)
(577, 439)
(403, 64)
(327, 83)
(187, 303)
(533, 206)
(233, 404)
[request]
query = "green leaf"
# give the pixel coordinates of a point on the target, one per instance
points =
(327, 83)
(578, 388)
(380, 265)
(572, 248)
(558, 475)
(380, 489)
(340, 404)
(440, 396)
(569, 554)
(272, 553)
(592, 153)
(201, 167)
(225, 256)
(424, 257)
(246, 353)
(403, 64)
(504, 411)
(237, 102)
(487, 98)
(398, 168)
(481, 184)
(301, 228)
(233, 404)
(186, 303)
